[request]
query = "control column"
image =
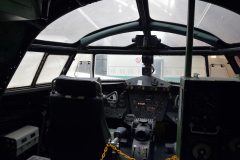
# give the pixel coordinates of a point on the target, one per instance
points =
(142, 141)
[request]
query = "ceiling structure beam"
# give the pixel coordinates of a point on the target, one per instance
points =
(109, 31)
(189, 45)
(153, 25)
(131, 51)
(145, 19)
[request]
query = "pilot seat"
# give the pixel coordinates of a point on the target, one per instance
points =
(78, 129)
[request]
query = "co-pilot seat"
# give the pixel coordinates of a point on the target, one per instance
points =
(78, 129)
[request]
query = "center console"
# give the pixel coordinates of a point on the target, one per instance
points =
(139, 106)
(142, 138)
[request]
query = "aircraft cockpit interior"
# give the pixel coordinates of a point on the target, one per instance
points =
(119, 79)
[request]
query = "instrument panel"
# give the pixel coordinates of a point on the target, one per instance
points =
(145, 97)
(148, 97)
(148, 105)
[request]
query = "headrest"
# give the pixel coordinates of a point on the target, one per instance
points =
(87, 87)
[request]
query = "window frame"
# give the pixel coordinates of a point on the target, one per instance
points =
(34, 74)
(42, 69)
(39, 70)
(67, 65)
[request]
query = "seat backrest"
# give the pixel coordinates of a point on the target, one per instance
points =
(78, 128)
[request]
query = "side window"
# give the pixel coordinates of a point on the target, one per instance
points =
(173, 67)
(81, 66)
(52, 68)
(26, 70)
(219, 67)
(237, 58)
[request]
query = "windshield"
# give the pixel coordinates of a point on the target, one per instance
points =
(113, 67)
(76, 24)
(217, 20)
(73, 26)
(169, 68)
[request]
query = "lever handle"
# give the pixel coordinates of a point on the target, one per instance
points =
(120, 132)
